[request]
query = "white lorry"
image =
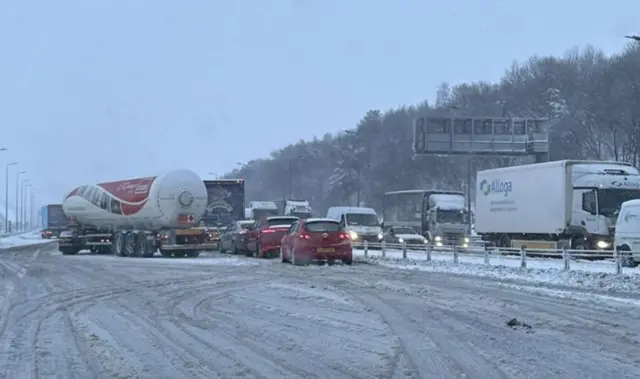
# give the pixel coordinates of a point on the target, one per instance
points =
(297, 208)
(440, 216)
(546, 205)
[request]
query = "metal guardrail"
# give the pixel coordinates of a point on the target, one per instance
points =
(620, 259)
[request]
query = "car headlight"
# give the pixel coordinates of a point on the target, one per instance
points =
(603, 244)
(424, 240)
(438, 239)
(380, 236)
(353, 235)
(400, 240)
(466, 239)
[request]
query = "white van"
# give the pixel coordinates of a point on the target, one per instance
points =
(361, 223)
(627, 233)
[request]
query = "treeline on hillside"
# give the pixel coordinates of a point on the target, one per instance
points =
(593, 102)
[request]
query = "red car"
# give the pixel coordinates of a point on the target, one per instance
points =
(264, 237)
(316, 239)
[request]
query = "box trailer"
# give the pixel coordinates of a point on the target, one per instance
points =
(574, 203)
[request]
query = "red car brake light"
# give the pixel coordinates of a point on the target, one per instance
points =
(344, 236)
(268, 231)
(305, 236)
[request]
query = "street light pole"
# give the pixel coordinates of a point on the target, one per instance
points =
(6, 197)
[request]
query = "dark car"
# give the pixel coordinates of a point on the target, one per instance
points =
(232, 239)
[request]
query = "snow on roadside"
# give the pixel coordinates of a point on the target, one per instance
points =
(629, 281)
(29, 238)
(208, 261)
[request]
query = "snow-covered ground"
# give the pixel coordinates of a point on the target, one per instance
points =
(90, 316)
(598, 275)
(29, 238)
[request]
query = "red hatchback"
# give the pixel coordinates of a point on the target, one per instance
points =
(316, 239)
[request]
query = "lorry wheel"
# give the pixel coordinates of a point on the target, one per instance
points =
(118, 245)
(165, 253)
(69, 251)
(179, 254)
(192, 254)
(130, 244)
(149, 248)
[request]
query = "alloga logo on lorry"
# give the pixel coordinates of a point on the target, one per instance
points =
(496, 186)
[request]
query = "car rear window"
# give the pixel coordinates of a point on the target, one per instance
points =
(245, 225)
(322, 226)
(281, 221)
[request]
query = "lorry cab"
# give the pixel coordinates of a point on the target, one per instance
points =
(261, 209)
(627, 232)
(361, 223)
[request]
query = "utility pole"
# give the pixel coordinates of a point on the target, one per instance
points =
(290, 169)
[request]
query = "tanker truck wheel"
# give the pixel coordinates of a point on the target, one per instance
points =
(130, 244)
(118, 245)
(149, 247)
(140, 245)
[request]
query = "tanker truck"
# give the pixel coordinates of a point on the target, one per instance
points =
(136, 217)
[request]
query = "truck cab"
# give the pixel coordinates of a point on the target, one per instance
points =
(261, 209)
(295, 208)
(445, 220)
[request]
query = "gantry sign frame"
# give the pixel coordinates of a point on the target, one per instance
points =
(481, 136)
(485, 136)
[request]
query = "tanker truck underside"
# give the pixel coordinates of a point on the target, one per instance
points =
(132, 243)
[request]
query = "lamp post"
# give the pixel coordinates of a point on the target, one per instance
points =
(215, 175)
(6, 197)
(19, 191)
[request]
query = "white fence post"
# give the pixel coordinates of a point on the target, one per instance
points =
(366, 248)
(428, 252)
(404, 250)
(455, 254)
(618, 259)
(566, 256)
(523, 257)
(486, 257)
(383, 248)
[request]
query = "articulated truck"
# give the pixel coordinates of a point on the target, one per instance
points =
(136, 217)
(567, 203)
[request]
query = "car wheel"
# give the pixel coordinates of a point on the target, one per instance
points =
(282, 260)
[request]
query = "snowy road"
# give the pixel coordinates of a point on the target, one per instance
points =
(225, 317)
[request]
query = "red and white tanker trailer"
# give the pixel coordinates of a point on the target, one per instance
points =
(136, 217)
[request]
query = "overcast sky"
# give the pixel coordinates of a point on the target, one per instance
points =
(97, 90)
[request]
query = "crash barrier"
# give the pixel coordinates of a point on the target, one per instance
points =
(50, 244)
(620, 259)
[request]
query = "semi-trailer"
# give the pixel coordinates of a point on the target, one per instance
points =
(567, 203)
(136, 217)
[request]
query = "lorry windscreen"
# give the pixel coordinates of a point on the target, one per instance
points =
(452, 216)
(610, 199)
